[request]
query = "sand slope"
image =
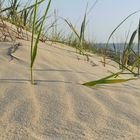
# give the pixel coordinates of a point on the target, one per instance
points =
(58, 107)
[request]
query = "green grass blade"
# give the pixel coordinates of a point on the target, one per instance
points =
(38, 36)
(32, 6)
(82, 32)
(127, 51)
(107, 80)
(113, 75)
(33, 30)
(139, 48)
(32, 39)
(83, 29)
(102, 79)
(132, 39)
(72, 27)
(111, 81)
(130, 44)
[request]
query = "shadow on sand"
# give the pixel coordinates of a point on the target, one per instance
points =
(28, 81)
(39, 81)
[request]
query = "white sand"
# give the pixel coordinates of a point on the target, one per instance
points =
(58, 107)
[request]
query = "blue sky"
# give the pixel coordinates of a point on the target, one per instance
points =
(103, 19)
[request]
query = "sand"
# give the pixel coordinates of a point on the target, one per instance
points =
(59, 107)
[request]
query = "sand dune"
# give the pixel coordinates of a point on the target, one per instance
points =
(58, 107)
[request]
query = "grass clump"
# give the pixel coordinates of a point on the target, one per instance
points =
(128, 57)
(26, 17)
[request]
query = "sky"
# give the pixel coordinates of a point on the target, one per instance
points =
(104, 17)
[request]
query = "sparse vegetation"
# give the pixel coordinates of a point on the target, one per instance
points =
(128, 57)
(26, 17)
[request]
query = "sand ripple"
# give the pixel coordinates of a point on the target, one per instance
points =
(59, 108)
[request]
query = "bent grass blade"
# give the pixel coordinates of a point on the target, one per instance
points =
(106, 80)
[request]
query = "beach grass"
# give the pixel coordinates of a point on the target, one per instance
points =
(128, 57)
(34, 45)
(26, 17)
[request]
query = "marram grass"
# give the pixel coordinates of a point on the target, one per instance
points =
(107, 80)
(112, 33)
(139, 48)
(80, 35)
(28, 18)
(128, 50)
(34, 45)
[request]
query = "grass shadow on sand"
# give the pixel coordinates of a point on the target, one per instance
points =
(27, 81)
(59, 70)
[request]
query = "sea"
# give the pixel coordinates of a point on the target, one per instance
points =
(116, 47)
